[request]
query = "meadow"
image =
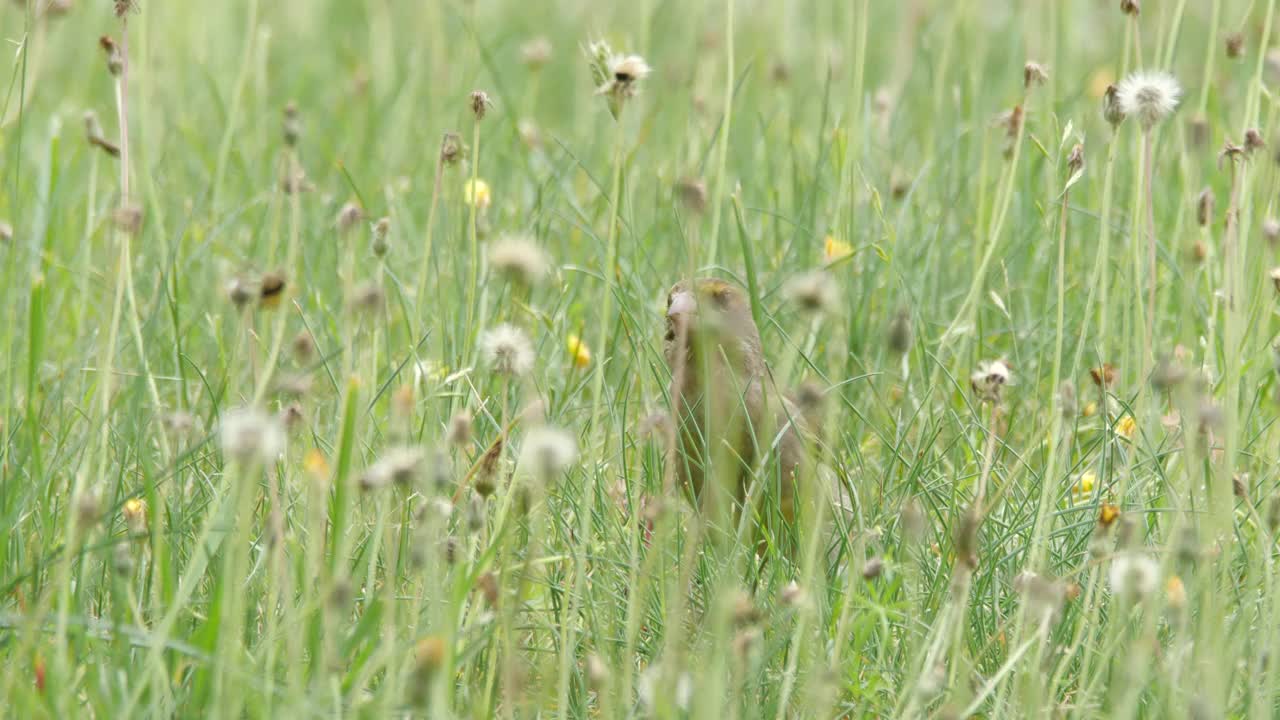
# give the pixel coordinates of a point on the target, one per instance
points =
(332, 374)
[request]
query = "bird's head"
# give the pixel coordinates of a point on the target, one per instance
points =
(712, 313)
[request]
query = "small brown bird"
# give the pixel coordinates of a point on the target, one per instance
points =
(720, 398)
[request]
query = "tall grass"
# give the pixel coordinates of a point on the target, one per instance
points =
(1053, 545)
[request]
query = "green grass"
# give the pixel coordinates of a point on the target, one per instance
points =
(287, 588)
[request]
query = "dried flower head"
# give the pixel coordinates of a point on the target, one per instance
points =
(693, 195)
(989, 379)
(1253, 141)
(548, 451)
(1104, 375)
(792, 595)
(1199, 131)
(1043, 597)
(899, 338)
(1012, 122)
(480, 103)
(271, 289)
(459, 432)
(1231, 153)
(1134, 575)
(368, 297)
(128, 219)
(399, 466)
(1112, 112)
(519, 259)
(1204, 206)
(529, 133)
(1167, 374)
(1235, 45)
(1075, 160)
(617, 76)
(451, 149)
(507, 350)
(1067, 400)
(381, 232)
(304, 347)
(250, 435)
(115, 58)
(93, 133)
(814, 291)
(1130, 7)
(1149, 96)
(291, 126)
(1271, 230)
(240, 291)
(349, 216)
(88, 505)
(1033, 74)
(536, 53)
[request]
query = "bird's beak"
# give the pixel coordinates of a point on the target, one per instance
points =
(682, 303)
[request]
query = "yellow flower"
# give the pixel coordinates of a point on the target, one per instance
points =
(578, 351)
(1107, 516)
(1091, 409)
(1127, 427)
(478, 194)
(1177, 592)
(833, 249)
(135, 515)
(316, 464)
(1083, 489)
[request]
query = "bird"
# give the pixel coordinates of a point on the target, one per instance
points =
(722, 405)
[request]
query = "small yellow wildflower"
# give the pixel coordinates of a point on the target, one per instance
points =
(578, 351)
(1090, 410)
(1177, 592)
(478, 194)
(833, 249)
(1083, 489)
(135, 515)
(1127, 427)
(1107, 516)
(315, 464)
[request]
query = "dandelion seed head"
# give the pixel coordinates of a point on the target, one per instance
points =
(548, 451)
(507, 350)
(989, 378)
(519, 259)
(536, 52)
(251, 435)
(617, 75)
(1134, 574)
(814, 291)
(398, 466)
(1149, 96)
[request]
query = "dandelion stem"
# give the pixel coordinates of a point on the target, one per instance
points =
(473, 238)
(722, 152)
